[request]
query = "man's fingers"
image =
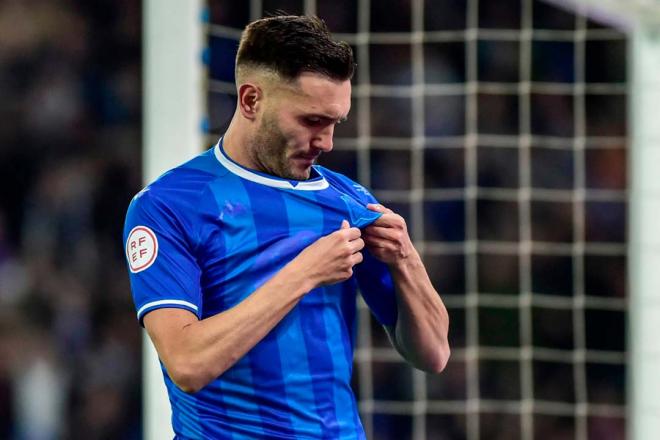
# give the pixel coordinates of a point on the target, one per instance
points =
(357, 245)
(380, 232)
(353, 232)
(380, 243)
(379, 208)
(390, 220)
(346, 232)
(357, 258)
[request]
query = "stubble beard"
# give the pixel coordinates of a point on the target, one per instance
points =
(269, 151)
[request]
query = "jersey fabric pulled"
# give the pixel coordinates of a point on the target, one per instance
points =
(207, 234)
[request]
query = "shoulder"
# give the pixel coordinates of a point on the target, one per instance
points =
(346, 184)
(177, 197)
(183, 186)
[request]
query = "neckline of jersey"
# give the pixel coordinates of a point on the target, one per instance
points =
(315, 184)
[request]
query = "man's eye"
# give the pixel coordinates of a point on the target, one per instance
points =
(313, 120)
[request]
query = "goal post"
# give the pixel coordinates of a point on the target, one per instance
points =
(173, 103)
(644, 239)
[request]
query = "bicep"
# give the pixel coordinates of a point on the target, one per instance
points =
(165, 327)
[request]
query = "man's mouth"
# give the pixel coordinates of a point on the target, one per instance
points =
(307, 158)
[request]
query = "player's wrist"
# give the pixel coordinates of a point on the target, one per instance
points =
(300, 281)
(408, 264)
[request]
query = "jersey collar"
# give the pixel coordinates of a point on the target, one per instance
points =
(314, 184)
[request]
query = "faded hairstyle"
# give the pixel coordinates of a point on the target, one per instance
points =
(290, 45)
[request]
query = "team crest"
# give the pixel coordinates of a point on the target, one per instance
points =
(141, 248)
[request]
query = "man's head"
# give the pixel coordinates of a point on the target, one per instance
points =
(293, 85)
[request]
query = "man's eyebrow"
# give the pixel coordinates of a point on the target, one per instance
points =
(339, 119)
(328, 117)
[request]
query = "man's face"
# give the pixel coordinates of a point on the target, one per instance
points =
(298, 123)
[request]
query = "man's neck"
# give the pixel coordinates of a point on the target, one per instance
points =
(234, 143)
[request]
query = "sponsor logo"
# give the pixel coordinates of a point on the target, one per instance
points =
(141, 248)
(361, 189)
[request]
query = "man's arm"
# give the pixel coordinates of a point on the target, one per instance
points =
(420, 334)
(197, 351)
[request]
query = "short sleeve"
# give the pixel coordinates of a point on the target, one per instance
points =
(377, 288)
(159, 253)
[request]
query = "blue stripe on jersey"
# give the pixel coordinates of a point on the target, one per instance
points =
(236, 388)
(343, 398)
(189, 426)
(349, 312)
(334, 324)
(320, 358)
(301, 392)
(213, 406)
(267, 374)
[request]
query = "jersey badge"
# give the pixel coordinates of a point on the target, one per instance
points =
(141, 248)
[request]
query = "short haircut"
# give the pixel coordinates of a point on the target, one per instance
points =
(290, 45)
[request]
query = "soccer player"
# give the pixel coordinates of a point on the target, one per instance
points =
(245, 261)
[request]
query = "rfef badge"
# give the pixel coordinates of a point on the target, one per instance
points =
(141, 248)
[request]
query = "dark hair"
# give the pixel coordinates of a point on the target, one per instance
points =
(291, 44)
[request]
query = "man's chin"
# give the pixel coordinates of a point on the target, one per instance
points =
(301, 170)
(301, 174)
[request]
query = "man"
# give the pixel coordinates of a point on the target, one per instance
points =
(245, 261)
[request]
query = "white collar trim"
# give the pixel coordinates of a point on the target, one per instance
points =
(276, 182)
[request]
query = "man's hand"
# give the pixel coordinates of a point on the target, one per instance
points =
(387, 238)
(330, 259)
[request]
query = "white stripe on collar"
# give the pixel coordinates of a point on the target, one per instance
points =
(275, 182)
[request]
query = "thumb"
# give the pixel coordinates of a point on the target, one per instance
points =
(345, 224)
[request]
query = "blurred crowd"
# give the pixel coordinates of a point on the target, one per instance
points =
(70, 160)
(70, 148)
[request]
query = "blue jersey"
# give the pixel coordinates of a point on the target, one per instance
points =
(208, 233)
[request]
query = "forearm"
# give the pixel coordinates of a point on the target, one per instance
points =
(422, 326)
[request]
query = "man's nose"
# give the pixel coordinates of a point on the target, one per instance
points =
(323, 139)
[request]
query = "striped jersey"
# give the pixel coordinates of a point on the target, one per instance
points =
(204, 236)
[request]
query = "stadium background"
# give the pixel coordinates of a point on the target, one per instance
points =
(497, 128)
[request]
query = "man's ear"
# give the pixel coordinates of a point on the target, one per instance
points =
(249, 100)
